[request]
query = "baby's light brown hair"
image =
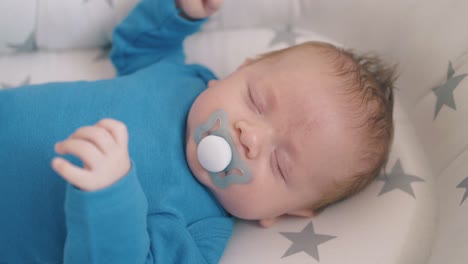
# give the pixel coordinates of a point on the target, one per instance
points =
(369, 83)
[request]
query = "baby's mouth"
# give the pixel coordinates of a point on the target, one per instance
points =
(237, 172)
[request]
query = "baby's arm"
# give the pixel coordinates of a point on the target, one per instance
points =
(155, 31)
(106, 209)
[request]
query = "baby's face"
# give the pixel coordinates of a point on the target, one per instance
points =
(288, 124)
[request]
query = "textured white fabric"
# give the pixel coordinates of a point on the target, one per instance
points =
(79, 23)
(41, 67)
(17, 22)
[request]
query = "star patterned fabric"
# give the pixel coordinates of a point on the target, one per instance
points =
(444, 92)
(464, 184)
(287, 36)
(29, 45)
(398, 179)
(306, 240)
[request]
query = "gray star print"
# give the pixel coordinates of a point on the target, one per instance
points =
(398, 179)
(29, 45)
(464, 184)
(23, 83)
(306, 240)
(444, 92)
(109, 2)
(285, 35)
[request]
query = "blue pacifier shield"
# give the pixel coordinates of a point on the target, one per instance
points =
(237, 172)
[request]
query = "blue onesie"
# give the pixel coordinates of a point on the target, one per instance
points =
(157, 213)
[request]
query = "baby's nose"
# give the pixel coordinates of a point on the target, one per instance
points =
(252, 138)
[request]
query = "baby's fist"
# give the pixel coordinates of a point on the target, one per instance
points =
(198, 9)
(103, 149)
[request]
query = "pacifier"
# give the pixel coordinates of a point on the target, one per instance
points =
(217, 153)
(214, 153)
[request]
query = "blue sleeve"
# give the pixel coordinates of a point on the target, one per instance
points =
(113, 226)
(153, 31)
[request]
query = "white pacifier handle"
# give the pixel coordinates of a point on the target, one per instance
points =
(214, 153)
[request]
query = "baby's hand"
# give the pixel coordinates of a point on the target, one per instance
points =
(103, 149)
(198, 9)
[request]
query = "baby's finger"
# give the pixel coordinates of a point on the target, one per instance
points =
(70, 172)
(117, 129)
(214, 5)
(84, 150)
(96, 135)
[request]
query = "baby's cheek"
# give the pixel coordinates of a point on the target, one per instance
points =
(238, 200)
(194, 165)
(252, 201)
(262, 173)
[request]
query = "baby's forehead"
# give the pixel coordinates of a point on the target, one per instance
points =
(314, 70)
(312, 117)
(317, 121)
(308, 89)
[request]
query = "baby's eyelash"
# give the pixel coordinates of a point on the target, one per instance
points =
(277, 167)
(253, 101)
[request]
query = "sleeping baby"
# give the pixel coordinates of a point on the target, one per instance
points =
(153, 165)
